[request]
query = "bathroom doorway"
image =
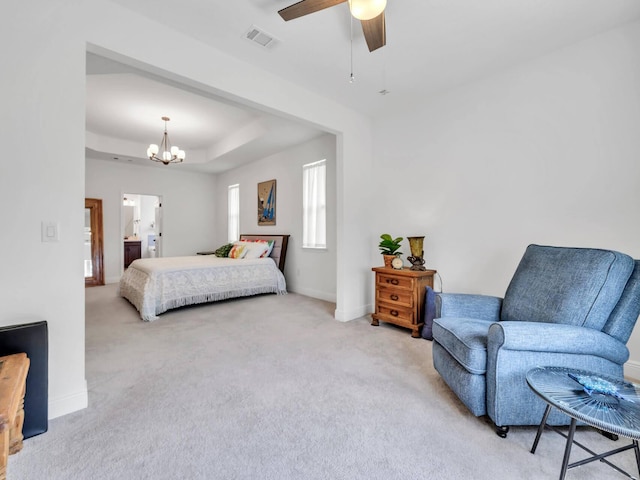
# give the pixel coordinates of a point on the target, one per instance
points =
(141, 225)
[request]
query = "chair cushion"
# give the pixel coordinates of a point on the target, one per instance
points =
(465, 339)
(574, 286)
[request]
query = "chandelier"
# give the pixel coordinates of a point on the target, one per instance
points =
(168, 153)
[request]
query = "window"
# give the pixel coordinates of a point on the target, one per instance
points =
(233, 213)
(314, 205)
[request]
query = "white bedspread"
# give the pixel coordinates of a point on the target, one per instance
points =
(155, 285)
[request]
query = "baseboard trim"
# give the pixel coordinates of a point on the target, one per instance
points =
(69, 403)
(307, 292)
(346, 315)
(632, 371)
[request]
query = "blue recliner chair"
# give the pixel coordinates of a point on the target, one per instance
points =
(568, 307)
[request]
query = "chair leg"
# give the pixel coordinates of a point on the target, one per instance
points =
(502, 431)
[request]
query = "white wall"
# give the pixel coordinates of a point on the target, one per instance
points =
(544, 153)
(41, 125)
(44, 129)
(188, 207)
(309, 272)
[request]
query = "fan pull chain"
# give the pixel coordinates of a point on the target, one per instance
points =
(384, 90)
(352, 79)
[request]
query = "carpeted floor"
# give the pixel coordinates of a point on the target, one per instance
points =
(272, 387)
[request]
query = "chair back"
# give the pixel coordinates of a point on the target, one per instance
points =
(623, 318)
(575, 286)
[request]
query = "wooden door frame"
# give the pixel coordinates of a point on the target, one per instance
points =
(97, 242)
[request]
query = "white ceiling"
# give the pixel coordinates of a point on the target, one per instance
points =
(432, 46)
(124, 110)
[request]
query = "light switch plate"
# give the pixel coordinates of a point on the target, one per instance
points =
(50, 231)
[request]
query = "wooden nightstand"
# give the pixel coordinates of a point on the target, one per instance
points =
(400, 297)
(132, 251)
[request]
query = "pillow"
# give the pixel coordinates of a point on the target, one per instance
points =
(269, 243)
(429, 313)
(238, 250)
(256, 249)
(224, 250)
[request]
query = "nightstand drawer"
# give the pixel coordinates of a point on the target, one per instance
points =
(392, 313)
(394, 296)
(395, 281)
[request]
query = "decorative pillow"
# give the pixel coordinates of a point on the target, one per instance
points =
(224, 250)
(269, 243)
(256, 249)
(238, 250)
(429, 313)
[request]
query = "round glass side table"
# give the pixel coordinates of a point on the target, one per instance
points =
(600, 401)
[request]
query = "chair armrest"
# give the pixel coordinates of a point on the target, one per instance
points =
(483, 307)
(556, 338)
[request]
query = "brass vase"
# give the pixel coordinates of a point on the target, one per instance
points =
(417, 253)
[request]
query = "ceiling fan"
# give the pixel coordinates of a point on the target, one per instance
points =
(369, 12)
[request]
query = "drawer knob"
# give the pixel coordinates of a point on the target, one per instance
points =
(393, 281)
(394, 297)
(394, 313)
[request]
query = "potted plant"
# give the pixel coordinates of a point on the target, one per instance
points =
(389, 248)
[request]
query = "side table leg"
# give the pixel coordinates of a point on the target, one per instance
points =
(543, 423)
(567, 449)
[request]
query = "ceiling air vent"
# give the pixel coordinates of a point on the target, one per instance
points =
(260, 37)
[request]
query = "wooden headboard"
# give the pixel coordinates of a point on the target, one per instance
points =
(279, 252)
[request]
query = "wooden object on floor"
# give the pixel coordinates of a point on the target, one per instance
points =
(13, 376)
(400, 297)
(33, 339)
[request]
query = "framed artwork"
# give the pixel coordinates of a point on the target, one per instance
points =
(267, 203)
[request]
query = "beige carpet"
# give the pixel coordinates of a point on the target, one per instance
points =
(272, 387)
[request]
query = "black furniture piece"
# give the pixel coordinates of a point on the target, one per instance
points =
(603, 402)
(32, 339)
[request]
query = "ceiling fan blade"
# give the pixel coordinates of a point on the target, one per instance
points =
(306, 7)
(375, 32)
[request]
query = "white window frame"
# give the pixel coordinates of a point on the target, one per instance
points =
(233, 213)
(314, 205)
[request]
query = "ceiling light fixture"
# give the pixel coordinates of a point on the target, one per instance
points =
(169, 154)
(367, 9)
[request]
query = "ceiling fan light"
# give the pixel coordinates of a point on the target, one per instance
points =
(153, 149)
(181, 155)
(367, 9)
(174, 150)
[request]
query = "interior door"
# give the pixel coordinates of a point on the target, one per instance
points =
(93, 243)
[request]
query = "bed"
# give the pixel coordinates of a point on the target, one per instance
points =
(155, 285)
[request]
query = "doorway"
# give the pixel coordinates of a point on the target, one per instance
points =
(142, 222)
(93, 243)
